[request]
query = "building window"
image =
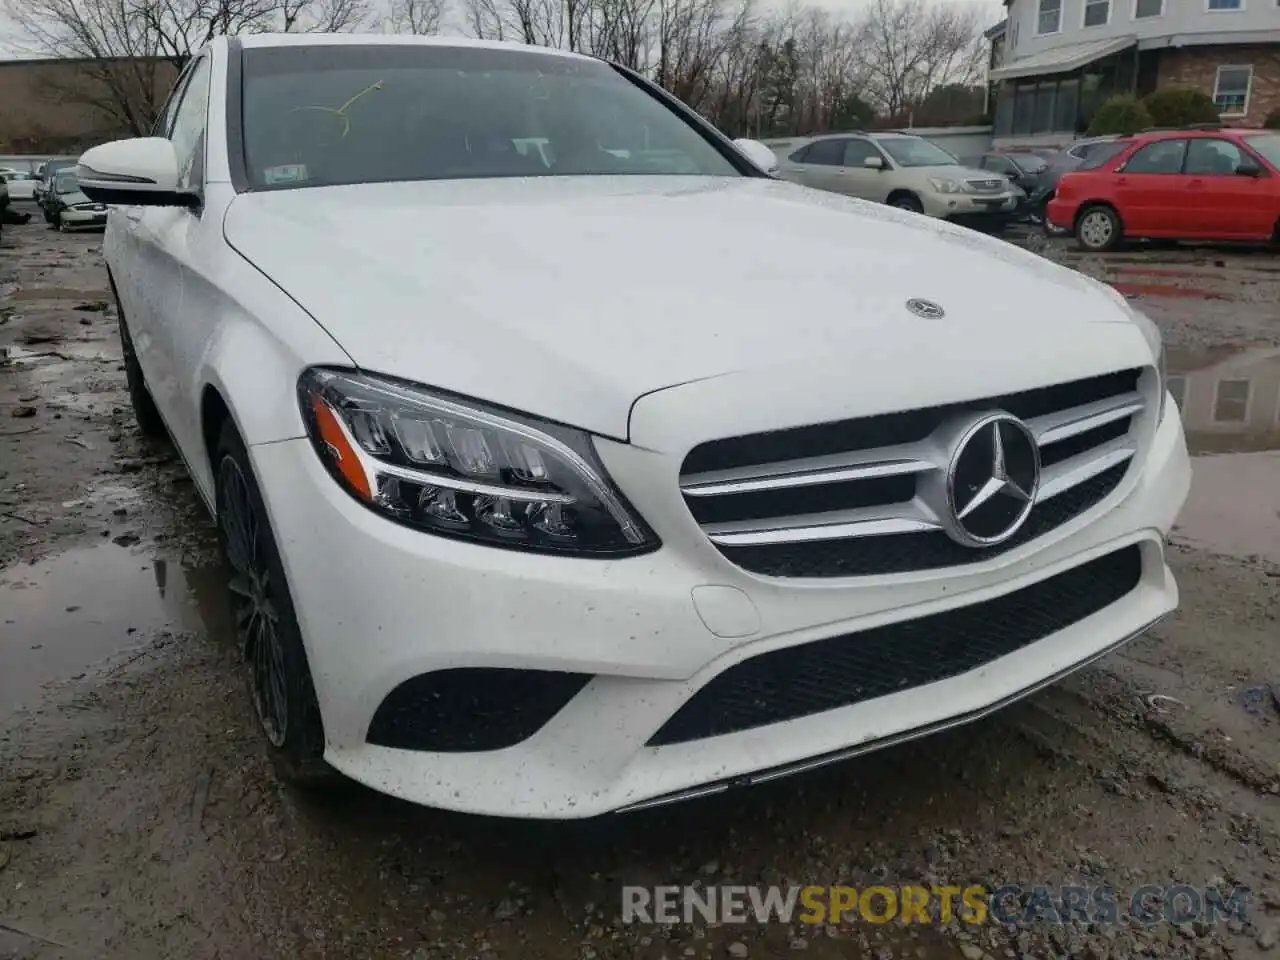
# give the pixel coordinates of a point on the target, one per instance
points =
(1050, 20)
(1225, 5)
(1231, 90)
(1097, 13)
(1231, 403)
(1178, 390)
(1142, 9)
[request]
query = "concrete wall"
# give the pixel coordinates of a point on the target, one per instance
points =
(48, 106)
(961, 142)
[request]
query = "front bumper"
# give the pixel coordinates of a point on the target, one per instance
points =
(379, 603)
(84, 218)
(963, 206)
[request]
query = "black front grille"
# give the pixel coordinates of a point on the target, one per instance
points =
(471, 709)
(904, 552)
(891, 428)
(800, 681)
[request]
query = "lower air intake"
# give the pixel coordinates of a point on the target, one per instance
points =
(840, 671)
(471, 709)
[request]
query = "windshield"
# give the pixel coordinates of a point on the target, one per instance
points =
(1268, 145)
(1028, 162)
(65, 183)
(916, 152)
(364, 114)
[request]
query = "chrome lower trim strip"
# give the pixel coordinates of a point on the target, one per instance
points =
(802, 766)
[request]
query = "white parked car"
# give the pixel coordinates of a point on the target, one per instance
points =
(21, 185)
(553, 485)
(904, 171)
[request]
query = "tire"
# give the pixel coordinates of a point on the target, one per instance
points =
(906, 201)
(1098, 229)
(145, 413)
(265, 626)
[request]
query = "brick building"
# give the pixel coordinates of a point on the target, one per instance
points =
(1059, 60)
(65, 106)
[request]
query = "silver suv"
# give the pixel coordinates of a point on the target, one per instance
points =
(902, 170)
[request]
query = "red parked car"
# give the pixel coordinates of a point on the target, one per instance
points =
(1176, 184)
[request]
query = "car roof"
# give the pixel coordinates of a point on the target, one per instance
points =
(1193, 133)
(262, 40)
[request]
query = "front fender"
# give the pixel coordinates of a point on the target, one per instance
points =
(260, 342)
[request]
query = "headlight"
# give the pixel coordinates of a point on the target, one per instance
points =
(463, 470)
(943, 185)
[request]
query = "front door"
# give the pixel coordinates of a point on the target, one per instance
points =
(860, 180)
(1150, 189)
(163, 238)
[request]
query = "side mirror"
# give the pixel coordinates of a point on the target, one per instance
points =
(1248, 168)
(873, 163)
(142, 171)
(758, 154)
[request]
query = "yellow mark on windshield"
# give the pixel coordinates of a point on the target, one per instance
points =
(342, 110)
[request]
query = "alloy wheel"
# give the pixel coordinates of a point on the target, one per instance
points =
(1096, 229)
(257, 622)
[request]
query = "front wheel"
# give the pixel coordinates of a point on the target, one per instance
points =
(266, 628)
(1098, 229)
(907, 201)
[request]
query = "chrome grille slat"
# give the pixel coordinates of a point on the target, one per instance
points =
(1074, 471)
(1053, 427)
(910, 517)
(867, 493)
(854, 465)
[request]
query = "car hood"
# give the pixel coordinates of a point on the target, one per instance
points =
(570, 298)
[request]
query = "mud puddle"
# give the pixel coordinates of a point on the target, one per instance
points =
(1230, 404)
(69, 611)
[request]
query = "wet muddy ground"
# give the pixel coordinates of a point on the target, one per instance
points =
(139, 819)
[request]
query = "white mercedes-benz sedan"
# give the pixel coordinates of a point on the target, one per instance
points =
(565, 462)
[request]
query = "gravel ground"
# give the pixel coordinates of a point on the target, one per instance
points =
(138, 817)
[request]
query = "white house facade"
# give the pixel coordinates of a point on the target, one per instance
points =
(1058, 60)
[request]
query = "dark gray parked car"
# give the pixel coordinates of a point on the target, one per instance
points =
(1081, 153)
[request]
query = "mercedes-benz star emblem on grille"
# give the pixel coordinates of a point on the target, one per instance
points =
(926, 309)
(992, 481)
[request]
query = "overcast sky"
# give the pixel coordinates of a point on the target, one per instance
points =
(11, 37)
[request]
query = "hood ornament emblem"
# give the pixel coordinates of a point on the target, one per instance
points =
(925, 309)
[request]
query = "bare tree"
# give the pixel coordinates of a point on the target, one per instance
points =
(915, 45)
(417, 16)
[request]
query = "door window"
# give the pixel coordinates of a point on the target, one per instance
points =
(829, 153)
(1213, 158)
(857, 151)
(189, 125)
(1163, 156)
